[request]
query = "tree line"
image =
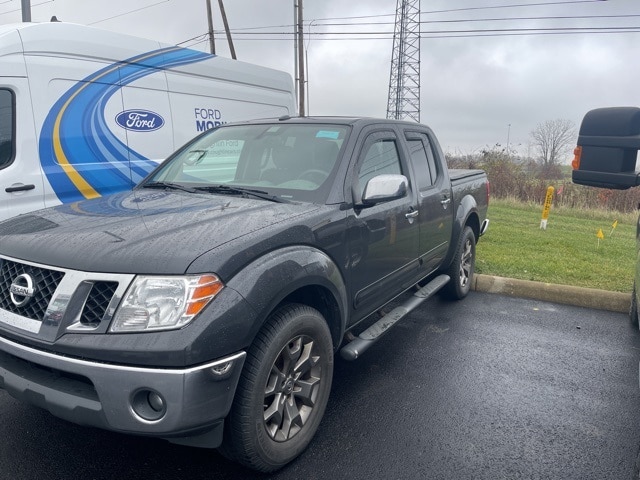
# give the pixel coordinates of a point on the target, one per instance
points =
(527, 178)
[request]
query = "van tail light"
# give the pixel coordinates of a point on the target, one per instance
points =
(577, 153)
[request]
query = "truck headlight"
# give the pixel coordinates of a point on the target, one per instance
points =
(164, 303)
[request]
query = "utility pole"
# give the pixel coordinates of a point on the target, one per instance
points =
(226, 29)
(26, 10)
(301, 109)
(295, 47)
(212, 43)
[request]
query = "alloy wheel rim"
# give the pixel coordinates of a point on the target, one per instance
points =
(291, 391)
(465, 263)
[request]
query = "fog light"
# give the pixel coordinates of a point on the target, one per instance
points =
(149, 405)
(155, 401)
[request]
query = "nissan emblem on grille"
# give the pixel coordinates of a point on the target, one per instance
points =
(22, 290)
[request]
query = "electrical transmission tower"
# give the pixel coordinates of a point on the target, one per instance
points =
(404, 80)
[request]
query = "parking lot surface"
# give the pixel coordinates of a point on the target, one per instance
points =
(492, 387)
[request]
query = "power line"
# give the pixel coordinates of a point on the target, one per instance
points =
(450, 34)
(516, 5)
(516, 34)
(497, 19)
(427, 12)
(197, 37)
(127, 13)
(286, 35)
(259, 33)
(20, 9)
(92, 23)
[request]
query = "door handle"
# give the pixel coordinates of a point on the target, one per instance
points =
(20, 188)
(412, 214)
(445, 201)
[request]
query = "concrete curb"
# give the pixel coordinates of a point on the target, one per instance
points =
(565, 294)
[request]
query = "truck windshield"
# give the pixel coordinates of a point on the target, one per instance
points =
(292, 161)
(6, 127)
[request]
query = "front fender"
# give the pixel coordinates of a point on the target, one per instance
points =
(267, 281)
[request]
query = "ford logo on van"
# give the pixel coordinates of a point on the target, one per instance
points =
(139, 120)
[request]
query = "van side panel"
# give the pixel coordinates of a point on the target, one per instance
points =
(146, 121)
(217, 91)
(80, 154)
(95, 116)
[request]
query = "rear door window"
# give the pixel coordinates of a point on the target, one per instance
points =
(423, 158)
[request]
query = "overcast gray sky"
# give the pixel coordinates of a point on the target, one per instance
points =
(476, 90)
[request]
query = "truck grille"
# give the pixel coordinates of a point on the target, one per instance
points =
(46, 282)
(97, 302)
(63, 300)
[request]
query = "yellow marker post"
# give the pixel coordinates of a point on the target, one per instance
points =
(600, 236)
(547, 206)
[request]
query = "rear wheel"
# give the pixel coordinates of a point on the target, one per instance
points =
(462, 267)
(283, 390)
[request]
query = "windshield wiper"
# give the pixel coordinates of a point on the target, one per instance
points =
(226, 189)
(169, 185)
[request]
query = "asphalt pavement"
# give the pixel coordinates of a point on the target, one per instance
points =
(492, 387)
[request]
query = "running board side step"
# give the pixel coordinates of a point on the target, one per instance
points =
(362, 342)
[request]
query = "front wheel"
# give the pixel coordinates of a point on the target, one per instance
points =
(462, 267)
(283, 389)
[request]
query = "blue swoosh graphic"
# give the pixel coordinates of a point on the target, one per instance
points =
(80, 155)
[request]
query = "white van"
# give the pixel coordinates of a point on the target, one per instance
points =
(86, 112)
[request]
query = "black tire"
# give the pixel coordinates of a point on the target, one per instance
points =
(283, 390)
(633, 311)
(462, 267)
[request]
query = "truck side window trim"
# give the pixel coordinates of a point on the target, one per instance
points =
(385, 158)
(7, 127)
(435, 172)
(420, 160)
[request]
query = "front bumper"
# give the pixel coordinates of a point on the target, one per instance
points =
(185, 405)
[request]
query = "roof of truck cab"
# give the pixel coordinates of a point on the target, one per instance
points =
(336, 120)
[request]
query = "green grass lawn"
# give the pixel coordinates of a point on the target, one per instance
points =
(567, 252)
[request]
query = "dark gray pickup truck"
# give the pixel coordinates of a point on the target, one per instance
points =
(205, 306)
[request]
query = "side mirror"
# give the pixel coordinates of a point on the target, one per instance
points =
(383, 188)
(607, 149)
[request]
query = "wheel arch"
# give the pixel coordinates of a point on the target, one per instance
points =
(320, 298)
(302, 275)
(466, 216)
(473, 221)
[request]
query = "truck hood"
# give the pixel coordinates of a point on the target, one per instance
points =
(143, 231)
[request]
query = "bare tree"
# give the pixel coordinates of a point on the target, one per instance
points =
(552, 139)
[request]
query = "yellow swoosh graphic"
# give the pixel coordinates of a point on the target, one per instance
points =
(78, 180)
